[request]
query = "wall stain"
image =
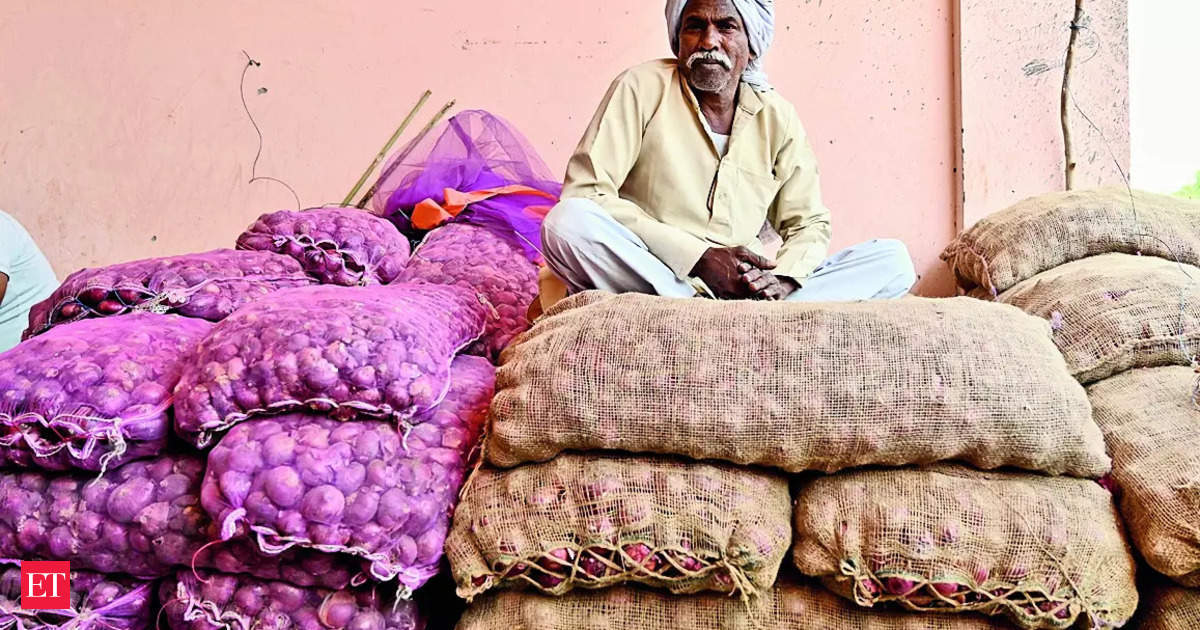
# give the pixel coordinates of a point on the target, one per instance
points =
(1036, 67)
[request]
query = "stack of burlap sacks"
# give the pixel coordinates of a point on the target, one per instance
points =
(661, 463)
(1115, 274)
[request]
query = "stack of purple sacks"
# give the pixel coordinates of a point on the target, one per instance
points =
(268, 437)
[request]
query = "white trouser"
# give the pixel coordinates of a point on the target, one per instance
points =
(588, 249)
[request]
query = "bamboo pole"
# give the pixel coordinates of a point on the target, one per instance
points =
(362, 203)
(386, 147)
(1068, 149)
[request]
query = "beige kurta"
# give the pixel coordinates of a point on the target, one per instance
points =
(648, 160)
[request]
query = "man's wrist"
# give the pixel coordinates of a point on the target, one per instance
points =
(695, 272)
(790, 283)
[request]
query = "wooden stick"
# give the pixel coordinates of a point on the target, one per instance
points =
(387, 147)
(1069, 182)
(362, 203)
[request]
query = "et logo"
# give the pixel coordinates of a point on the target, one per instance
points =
(45, 585)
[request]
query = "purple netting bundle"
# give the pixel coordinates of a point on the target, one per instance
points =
(234, 602)
(98, 602)
(93, 394)
(142, 519)
(359, 488)
(478, 259)
(474, 151)
(205, 286)
(383, 352)
(334, 244)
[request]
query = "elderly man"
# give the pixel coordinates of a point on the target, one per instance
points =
(685, 161)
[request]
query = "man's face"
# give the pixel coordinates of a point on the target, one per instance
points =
(714, 48)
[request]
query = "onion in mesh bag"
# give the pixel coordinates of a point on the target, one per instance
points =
(215, 601)
(382, 353)
(794, 386)
(1168, 607)
(334, 244)
(479, 259)
(1152, 427)
(360, 488)
(791, 605)
(93, 394)
(141, 519)
(1044, 551)
(1049, 230)
(98, 602)
(1114, 312)
(592, 521)
(208, 286)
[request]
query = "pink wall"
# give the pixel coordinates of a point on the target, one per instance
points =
(1012, 77)
(122, 135)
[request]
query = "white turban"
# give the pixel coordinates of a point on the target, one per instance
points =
(759, 18)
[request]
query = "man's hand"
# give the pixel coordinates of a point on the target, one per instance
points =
(720, 269)
(766, 285)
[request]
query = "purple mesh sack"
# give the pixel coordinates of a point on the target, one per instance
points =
(302, 567)
(478, 259)
(205, 286)
(473, 151)
(93, 394)
(141, 519)
(334, 244)
(359, 488)
(234, 602)
(383, 352)
(98, 602)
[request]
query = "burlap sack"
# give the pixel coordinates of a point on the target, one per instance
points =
(1044, 232)
(1044, 551)
(1167, 607)
(794, 386)
(1113, 312)
(1153, 433)
(590, 522)
(789, 606)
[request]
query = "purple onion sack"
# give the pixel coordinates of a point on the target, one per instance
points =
(481, 260)
(336, 245)
(208, 286)
(359, 488)
(93, 394)
(141, 519)
(98, 602)
(218, 602)
(383, 352)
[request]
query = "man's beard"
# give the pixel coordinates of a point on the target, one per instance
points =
(709, 77)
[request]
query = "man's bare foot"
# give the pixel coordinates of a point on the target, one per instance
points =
(535, 309)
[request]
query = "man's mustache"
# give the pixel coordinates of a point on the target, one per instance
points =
(711, 55)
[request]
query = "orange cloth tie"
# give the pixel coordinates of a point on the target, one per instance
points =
(430, 214)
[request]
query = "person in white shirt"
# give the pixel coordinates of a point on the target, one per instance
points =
(26, 278)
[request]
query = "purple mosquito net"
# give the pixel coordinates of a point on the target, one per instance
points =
(473, 151)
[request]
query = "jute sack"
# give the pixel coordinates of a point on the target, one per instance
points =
(1044, 232)
(794, 386)
(1153, 433)
(1113, 312)
(1045, 551)
(1167, 607)
(590, 522)
(791, 605)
